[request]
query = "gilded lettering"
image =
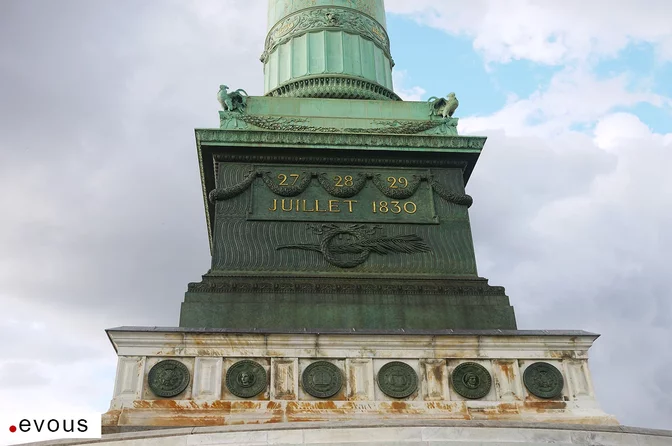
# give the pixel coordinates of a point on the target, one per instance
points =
(291, 205)
(317, 207)
(305, 207)
(333, 206)
(275, 205)
(350, 203)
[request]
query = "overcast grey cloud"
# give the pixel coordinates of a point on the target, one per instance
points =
(102, 221)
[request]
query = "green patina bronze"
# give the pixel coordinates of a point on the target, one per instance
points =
(322, 379)
(471, 380)
(246, 379)
(338, 213)
(168, 378)
(397, 379)
(328, 49)
(543, 380)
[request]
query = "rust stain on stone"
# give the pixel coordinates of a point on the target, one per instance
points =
(437, 405)
(308, 407)
(542, 406)
(498, 411)
(218, 405)
(507, 369)
(207, 352)
(245, 405)
(273, 405)
(438, 373)
(181, 420)
(400, 407)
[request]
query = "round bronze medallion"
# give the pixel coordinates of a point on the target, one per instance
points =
(471, 380)
(168, 378)
(543, 380)
(322, 379)
(397, 379)
(246, 379)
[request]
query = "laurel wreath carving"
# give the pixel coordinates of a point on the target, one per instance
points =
(359, 181)
(363, 245)
(450, 196)
(226, 193)
(230, 120)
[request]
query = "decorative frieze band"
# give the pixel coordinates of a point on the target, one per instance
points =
(208, 137)
(305, 178)
(330, 18)
(334, 87)
(325, 378)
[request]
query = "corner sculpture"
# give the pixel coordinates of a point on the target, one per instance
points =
(234, 101)
(443, 107)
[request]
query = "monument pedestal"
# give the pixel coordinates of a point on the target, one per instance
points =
(369, 376)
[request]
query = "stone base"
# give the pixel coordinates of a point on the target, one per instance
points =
(208, 354)
(354, 302)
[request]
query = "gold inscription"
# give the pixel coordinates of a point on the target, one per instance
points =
(333, 206)
(394, 207)
(329, 206)
(284, 178)
(346, 181)
(398, 183)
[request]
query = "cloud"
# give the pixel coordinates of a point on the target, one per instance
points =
(574, 96)
(551, 33)
(401, 80)
(576, 226)
(102, 219)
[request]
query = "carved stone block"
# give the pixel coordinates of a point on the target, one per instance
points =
(434, 379)
(507, 380)
(284, 379)
(578, 380)
(130, 371)
(207, 378)
(360, 382)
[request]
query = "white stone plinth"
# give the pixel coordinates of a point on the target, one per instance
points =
(208, 354)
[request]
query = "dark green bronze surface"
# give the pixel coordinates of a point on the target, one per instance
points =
(397, 379)
(471, 380)
(339, 194)
(339, 214)
(417, 220)
(246, 379)
(322, 379)
(345, 301)
(543, 380)
(168, 378)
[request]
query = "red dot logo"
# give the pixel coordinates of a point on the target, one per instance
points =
(12, 428)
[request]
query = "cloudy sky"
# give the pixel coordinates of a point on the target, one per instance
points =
(101, 215)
